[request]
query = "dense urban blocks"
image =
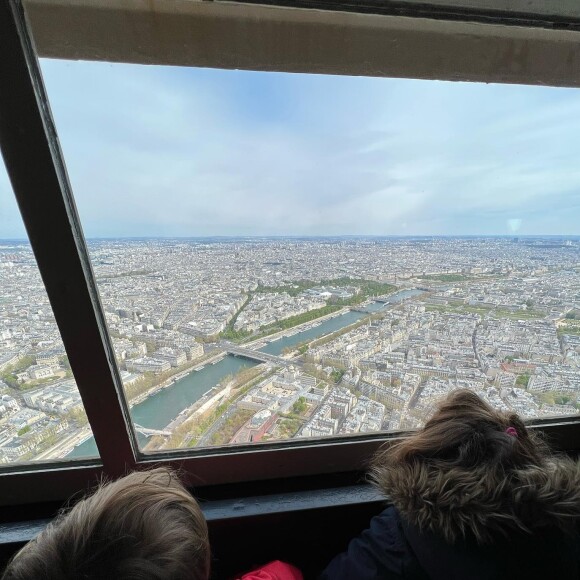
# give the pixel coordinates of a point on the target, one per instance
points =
(237, 341)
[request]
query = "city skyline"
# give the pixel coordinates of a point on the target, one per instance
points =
(298, 237)
(176, 152)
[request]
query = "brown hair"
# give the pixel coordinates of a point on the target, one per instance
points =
(143, 526)
(477, 473)
(466, 432)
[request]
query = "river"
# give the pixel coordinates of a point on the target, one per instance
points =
(158, 410)
(326, 327)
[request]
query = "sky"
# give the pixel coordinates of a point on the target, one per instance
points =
(170, 151)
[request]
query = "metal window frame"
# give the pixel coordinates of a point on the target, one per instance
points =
(563, 14)
(343, 37)
(36, 168)
(37, 171)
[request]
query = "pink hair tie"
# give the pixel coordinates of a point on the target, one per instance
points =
(511, 431)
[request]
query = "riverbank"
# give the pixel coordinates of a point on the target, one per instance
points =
(263, 340)
(259, 343)
(62, 448)
(305, 326)
(161, 407)
(194, 367)
(208, 404)
(205, 404)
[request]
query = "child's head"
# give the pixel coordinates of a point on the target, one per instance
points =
(142, 526)
(475, 470)
(465, 431)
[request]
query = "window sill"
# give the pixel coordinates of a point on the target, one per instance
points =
(241, 528)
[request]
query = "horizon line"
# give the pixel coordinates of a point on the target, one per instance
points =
(311, 236)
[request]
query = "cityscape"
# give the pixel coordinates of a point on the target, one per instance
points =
(230, 341)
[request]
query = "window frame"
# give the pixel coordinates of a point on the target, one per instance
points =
(29, 139)
(532, 13)
(410, 39)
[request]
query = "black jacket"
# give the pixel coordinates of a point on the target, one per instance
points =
(393, 549)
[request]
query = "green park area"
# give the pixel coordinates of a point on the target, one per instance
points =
(446, 277)
(9, 374)
(556, 398)
(457, 277)
(190, 432)
(291, 422)
(570, 324)
(484, 310)
(231, 426)
(569, 329)
(366, 289)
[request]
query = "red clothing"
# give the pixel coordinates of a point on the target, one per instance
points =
(274, 571)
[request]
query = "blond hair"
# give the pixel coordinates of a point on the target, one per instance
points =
(143, 526)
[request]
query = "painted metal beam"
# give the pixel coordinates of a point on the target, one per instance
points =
(425, 40)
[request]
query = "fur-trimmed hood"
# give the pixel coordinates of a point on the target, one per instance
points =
(483, 502)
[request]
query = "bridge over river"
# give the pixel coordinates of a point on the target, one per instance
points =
(258, 355)
(161, 408)
(149, 432)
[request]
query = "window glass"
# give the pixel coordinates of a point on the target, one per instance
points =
(41, 413)
(285, 256)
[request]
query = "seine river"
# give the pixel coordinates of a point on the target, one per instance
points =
(160, 409)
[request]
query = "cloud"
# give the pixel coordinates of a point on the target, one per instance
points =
(171, 151)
